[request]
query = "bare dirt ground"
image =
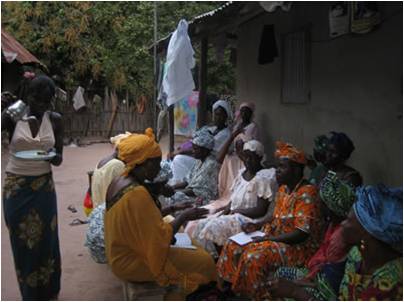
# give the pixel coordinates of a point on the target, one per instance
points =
(82, 278)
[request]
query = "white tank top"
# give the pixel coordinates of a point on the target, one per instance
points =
(22, 140)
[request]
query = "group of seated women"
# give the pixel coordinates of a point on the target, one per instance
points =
(324, 237)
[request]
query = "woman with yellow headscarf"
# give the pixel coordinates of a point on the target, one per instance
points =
(137, 240)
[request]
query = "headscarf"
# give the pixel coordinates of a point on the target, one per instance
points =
(338, 195)
(226, 106)
(165, 173)
(254, 146)
(117, 138)
(250, 105)
(343, 144)
(203, 138)
(286, 150)
(379, 210)
(137, 148)
(320, 143)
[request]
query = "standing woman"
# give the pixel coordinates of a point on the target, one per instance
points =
(29, 194)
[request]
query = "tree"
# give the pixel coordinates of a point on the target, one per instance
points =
(103, 43)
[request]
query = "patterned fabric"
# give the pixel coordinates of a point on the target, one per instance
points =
(203, 138)
(386, 283)
(286, 150)
(320, 143)
(380, 211)
(317, 174)
(137, 148)
(247, 267)
(203, 179)
(30, 213)
(217, 229)
(338, 195)
(95, 235)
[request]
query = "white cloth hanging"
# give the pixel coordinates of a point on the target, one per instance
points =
(178, 82)
(78, 99)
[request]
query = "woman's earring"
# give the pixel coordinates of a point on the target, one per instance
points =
(362, 245)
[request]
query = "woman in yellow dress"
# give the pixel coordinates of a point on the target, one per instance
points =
(137, 240)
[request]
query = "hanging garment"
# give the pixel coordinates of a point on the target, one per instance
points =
(268, 49)
(178, 82)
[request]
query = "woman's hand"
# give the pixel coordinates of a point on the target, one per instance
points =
(238, 128)
(182, 206)
(250, 227)
(194, 214)
(167, 191)
(282, 288)
(258, 239)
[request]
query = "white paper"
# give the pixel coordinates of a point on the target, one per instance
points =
(183, 241)
(243, 238)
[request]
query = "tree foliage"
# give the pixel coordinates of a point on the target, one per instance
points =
(104, 43)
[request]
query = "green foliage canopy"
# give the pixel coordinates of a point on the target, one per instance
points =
(104, 42)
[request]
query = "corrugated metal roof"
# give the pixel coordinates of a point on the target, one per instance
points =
(202, 18)
(11, 45)
(213, 12)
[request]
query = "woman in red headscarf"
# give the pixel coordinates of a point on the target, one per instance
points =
(292, 234)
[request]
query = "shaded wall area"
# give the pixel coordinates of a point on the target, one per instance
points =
(356, 87)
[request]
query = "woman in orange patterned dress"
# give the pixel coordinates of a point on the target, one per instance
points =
(292, 234)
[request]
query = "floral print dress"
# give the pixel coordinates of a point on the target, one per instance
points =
(247, 267)
(386, 283)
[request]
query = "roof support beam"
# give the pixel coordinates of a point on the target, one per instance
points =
(203, 69)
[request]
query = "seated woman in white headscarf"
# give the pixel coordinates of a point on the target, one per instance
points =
(252, 193)
(183, 159)
(245, 129)
(200, 185)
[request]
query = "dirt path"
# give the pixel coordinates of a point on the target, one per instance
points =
(82, 278)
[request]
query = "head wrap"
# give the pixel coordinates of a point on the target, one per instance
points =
(342, 143)
(203, 138)
(250, 105)
(137, 148)
(320, 143)
(117, 138)
(380, 211)
(338, 195)
(226, 106)
(165, 173)
(254, 146)
(286, 150)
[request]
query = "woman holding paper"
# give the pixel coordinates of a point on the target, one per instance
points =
(137, 240)
(252, 192)
(292, 235)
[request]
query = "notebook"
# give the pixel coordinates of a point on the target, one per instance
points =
(183, 241)
(243, 238)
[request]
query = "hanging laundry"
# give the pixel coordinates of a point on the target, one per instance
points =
(339, 15)
(178, 82)
(268, 49)
(365, 16)
(78, 99)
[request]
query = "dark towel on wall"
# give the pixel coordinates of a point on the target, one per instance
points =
(268, 49)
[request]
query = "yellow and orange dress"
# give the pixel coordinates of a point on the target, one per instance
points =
(247, 267)
(137, 244)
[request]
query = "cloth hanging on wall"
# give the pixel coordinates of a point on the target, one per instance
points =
(339, 15)
(365, 16)
(268, 49)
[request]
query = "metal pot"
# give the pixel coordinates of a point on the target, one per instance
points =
(17, 110)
